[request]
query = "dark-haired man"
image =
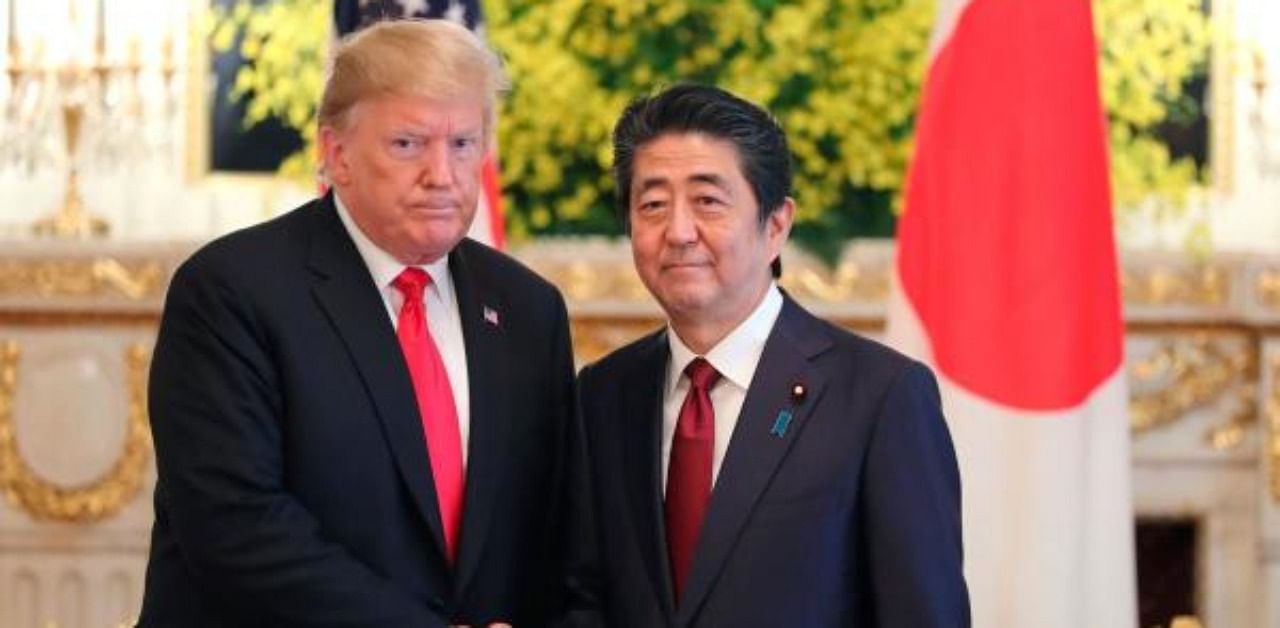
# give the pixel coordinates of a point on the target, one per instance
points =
(751, 464)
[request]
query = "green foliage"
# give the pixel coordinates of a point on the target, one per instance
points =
(843, 77)
(1150, 48)
(285, 44)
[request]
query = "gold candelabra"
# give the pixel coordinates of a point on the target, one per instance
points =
(72, 92)
(71, 220)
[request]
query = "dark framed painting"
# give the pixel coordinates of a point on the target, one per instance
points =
(221, 143)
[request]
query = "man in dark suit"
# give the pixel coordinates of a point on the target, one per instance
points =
(361, 418)
(751, 464)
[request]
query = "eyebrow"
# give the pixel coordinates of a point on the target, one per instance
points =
(406, 132)
(709, 178)
(421, 133)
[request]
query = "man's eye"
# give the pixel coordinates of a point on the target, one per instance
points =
(466, 145)
(404, 145)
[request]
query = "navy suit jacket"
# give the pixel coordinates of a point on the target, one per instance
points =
(294, 485)
(847, 516)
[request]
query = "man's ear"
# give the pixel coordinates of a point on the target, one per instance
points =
(778, 226)
(333, 160)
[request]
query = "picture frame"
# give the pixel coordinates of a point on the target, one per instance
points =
(220, 146)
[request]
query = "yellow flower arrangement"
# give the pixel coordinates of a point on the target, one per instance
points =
(285, 43)
(843, 77)
(1149, 50)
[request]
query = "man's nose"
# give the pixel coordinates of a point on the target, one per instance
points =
(437, 171)
(682, 229)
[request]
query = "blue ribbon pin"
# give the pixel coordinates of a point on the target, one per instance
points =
(781, 423)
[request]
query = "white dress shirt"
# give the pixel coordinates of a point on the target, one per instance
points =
(443, 320)
(736, 357)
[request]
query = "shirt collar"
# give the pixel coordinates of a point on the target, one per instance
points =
(384, 267)
(738, 353)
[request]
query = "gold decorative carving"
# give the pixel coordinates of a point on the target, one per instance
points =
(603, 272)
(1198, 373)
(1273, 417)
(1206, 285)
(1269, 288)
(593, 338)
(585, 281)
(609, 280)
(847, 282)
(1230, 434)
(96, 500)
(81, 278)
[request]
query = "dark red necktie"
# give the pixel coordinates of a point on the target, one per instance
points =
(435, 402)
(689, 472)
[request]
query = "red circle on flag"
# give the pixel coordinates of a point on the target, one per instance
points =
(1006, 250)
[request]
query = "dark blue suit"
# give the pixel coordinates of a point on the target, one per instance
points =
(294, 486)
(848, 516)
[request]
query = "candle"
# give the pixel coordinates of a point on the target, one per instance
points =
(74, 46)
(13, 28)
(101, 39)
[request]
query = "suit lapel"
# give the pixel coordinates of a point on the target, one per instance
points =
(488, 447)
(641, 443)
(346, 293)
(755, 449)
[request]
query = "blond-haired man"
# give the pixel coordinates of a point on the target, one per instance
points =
(361, 417)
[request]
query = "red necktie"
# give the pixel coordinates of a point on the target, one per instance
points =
(689, 472)
(435, 402)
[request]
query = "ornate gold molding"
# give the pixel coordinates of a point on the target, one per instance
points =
(1269, 288)
(586, 281)
(1198, 373)
(1207, 285)
(1273, 417)
(615, 280)
(96, 500)
(1230, 433)
(594, 337)
(847, 282)
(81, 278)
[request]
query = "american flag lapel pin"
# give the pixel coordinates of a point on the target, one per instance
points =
(491, 316)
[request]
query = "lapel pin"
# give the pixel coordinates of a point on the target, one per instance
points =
(781, 423)
(491, 316)
(798, 393)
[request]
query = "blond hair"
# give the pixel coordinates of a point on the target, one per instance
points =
(435, 59)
